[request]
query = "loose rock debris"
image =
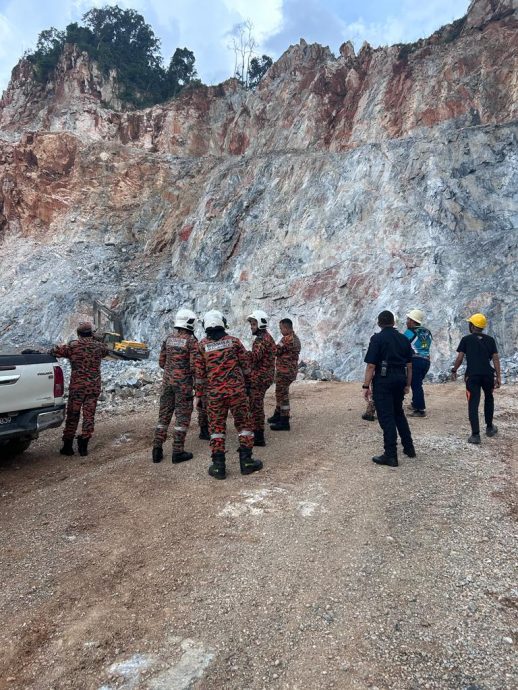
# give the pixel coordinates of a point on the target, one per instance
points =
(322, 571)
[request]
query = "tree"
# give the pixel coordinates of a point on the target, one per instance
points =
(81, 36)
(181, 71)
(121, 40)
(125, 42)
(243, 45)
(257, 69)
(48, 50)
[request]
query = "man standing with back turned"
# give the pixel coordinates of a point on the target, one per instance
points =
(480, 350)
(223, 374)
(177, 358)
(85, 355)
(286, 368)
(421, 340)
(389, 369)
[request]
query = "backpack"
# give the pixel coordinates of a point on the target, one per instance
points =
(422, 341)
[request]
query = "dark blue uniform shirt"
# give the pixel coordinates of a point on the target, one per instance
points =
(390, 346)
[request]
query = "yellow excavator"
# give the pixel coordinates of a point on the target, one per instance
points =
(114, 338)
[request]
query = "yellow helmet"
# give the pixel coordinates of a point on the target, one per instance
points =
(478, 320)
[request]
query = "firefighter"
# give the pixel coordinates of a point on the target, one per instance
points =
(177, 359)
(85, 355)
(223, 374)
(262, 366)
(389, 369)
(286, 368)
(480, 351)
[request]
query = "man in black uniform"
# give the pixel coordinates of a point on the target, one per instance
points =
(389, 368)
(480, 350)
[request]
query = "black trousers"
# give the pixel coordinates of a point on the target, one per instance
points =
(388, 393)
(474, 384)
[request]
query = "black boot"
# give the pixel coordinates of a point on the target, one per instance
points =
(491, 430)
(282, 425)
(383, 460)
(247, 463)
(217, 469)
(180, 456)
(82, 446)
(259, 438)
(368, 417)
(410, 452)
(158, 454)
(276, 416)
(68, 448)
(204, 433)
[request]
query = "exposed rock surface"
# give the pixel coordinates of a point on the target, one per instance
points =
(339, 187)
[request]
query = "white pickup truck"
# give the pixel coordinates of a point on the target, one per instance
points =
(31, 399)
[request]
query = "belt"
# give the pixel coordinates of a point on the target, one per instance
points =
(391, 370)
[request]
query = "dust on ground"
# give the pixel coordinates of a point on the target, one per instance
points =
(322, 571)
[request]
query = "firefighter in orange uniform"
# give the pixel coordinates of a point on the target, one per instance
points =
(223, 374)
(177, 359)
(286, 368)
(262, 365)
(85, 355)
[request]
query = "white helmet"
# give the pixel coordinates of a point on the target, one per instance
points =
(260, 316)
(214, 319)
(416, 315)
(185, 318)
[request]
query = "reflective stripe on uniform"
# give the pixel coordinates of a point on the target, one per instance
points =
(180, 428)
(161, 426)
(285, 407)
(217, 435)
(245, 432)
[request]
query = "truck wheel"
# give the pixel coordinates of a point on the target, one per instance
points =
(13, 448)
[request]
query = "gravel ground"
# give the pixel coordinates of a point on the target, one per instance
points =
(322, 571)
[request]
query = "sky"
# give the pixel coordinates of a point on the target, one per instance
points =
(204, 26)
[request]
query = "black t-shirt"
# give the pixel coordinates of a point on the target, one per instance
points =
(479, 348)
(391, 346)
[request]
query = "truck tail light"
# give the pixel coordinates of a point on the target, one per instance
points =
(59, 382)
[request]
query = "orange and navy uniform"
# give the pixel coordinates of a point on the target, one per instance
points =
(177, 359)
(85, 355)
(286, 368)
(223, 375)
(262, 364)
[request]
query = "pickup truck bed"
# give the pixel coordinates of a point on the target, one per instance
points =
(31, 399)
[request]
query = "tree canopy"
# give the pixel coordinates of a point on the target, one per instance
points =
(257, 69)
(122, 40)
(119, 39)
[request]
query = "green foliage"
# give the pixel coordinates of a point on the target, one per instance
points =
(48, 50)
(257, 69)
(181, 72)
(121, 40)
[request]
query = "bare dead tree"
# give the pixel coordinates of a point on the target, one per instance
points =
(243, 44)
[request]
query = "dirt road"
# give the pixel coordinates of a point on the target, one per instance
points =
(322, 571)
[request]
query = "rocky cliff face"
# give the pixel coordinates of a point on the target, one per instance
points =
(340, 187)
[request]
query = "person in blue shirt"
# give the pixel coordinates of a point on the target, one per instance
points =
(421, 340)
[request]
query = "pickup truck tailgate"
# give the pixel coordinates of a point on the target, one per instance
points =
(26, 382)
